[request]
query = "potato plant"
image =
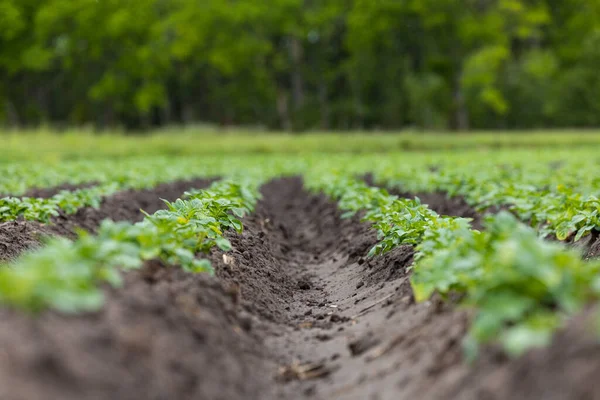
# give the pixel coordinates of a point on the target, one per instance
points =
(520, 286)
(66, 275)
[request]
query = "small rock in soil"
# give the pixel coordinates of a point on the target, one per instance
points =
(362, 344)
(245, 321)
(323, 337)
(303, 285)
(338, 318)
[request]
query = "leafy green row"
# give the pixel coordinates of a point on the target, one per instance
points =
(556, 192)
(43, 209)
(125, 174)
(17, 178)
(66, 275)
(137, 172)
(556, 200)
(521, 287)
(140, 173)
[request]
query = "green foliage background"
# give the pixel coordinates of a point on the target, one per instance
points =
(301, 64)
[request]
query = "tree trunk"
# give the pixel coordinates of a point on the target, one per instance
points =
(12, 116)
(283, 110)
(297, 53)
(461, 114)
(324, 103)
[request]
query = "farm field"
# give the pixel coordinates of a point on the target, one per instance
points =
(411, 267)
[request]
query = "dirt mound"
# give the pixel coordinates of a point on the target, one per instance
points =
(440, 202)
(125, 206)
(41, 192)
(51, 191)
(457, 206)
(568, 369)
(165, 335)
(594, 251)
(18, 236)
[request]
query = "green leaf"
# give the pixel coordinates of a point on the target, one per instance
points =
(223, 243)
(520, 338)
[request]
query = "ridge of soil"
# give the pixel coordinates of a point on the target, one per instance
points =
(295, 311)
(18, 236)
(166, 334)
(54, 190)
(440, 202)
(47, 192)
(457, 206)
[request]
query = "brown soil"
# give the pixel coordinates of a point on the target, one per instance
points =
(18, 236)
(594, 251)
(295, 311)
(568, 369)
(588, 245)
(51, 191)
(126, 206)
(443, 204)
(46, 192)
(165, 335)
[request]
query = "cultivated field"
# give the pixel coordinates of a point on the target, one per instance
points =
(315, 267)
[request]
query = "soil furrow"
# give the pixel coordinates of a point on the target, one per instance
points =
(51, 191)
(47, 192)
(341, 326)
(343, 315)
(295, 311)
(18, 236)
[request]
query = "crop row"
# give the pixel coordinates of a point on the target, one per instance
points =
(17, 178)
(558, 199)
(520, 286)
(137, 173)
(551, 191)
(67, 275)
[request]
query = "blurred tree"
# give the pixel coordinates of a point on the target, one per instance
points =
(301, 64)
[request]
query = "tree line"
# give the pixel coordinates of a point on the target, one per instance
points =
(301, 64)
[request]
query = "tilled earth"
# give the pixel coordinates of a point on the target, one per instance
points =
(295, 311)
(18, 236)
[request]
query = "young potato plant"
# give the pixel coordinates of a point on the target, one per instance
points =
(109, 178)
(559, 201)
(12, 207)
(17, 178)
(66, 275)
(134, 173)
(42, 210)
(520, 286)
